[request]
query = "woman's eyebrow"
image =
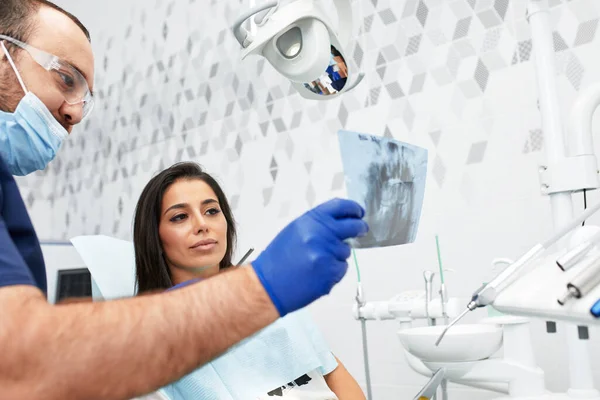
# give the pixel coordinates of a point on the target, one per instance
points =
(184, 205)
(176, 206)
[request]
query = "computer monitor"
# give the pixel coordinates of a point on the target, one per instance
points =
(73, 283)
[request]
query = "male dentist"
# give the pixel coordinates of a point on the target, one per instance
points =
(124, 348)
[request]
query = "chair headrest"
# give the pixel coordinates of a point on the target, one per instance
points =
(111, 263)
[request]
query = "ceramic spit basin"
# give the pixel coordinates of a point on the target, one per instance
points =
(469, 342)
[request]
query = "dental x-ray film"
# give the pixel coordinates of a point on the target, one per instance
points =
(387, 178)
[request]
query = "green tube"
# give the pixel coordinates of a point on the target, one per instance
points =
(356, 265)
(439, 256)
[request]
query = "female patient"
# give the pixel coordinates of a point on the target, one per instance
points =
(183, 220)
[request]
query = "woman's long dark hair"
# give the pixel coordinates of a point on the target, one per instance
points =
(151, 269)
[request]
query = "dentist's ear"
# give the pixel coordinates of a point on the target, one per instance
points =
(4, 61)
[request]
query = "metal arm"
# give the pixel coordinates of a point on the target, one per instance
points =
(360, 301)
(430, 389)
(240, 33)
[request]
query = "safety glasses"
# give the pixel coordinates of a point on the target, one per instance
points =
(71, 82)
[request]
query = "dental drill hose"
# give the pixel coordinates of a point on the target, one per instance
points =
(577, 253)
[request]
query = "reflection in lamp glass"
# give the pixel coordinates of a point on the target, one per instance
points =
(333, 79)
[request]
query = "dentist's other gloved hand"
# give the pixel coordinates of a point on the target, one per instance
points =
(308, 257)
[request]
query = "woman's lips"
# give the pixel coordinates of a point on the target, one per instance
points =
(204, 245)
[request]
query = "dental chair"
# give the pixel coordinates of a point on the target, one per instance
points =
(111, 263)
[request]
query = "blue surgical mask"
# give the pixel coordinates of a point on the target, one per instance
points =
(31, 136)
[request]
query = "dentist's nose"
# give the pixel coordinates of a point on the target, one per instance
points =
(72, 114)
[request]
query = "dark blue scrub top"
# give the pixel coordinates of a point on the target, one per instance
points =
(21, 259)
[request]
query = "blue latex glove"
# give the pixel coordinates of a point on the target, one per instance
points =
(308, 257)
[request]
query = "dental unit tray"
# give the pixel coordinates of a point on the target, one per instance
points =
(535, 293)
(408, 305)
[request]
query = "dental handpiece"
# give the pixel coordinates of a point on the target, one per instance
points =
(582, 283)
(470, 307)
(486, 294)
(577, 253)
(444, 298)
(428, 276)
(573, 256)
(454, 321)
(595, 310)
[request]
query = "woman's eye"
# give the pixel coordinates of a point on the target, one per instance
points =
(179, 217)
(213, 211)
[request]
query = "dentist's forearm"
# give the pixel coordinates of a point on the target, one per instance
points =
(126, 348)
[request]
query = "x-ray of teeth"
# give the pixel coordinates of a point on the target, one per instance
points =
(387, 178)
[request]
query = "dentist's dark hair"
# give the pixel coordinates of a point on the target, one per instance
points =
(151, 269)
(17, 17)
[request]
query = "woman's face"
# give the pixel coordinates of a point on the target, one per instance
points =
(192, 229)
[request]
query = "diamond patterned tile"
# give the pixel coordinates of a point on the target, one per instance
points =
(171, 86)
(477, 153)
(439, 171)
(462, 28)
(536, 140)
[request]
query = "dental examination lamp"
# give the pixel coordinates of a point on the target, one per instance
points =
(297, 38)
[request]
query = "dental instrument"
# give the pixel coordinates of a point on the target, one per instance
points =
(360, 301)
(595, 310)
(582, 283)
(486, 294)
(429, 390)
(299, 41)
(443, 290)
(577, 253)
(444, 298)
(245, 256)
(454, 321)
(428, 276)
